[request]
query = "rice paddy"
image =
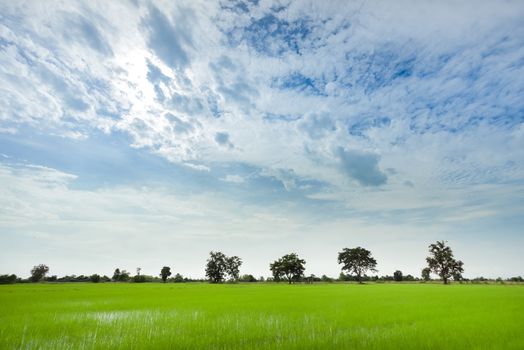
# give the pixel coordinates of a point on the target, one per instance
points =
(261, 316)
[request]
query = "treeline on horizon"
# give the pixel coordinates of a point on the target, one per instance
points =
(178, 278)
(356, 262)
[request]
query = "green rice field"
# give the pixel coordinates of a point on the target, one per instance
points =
(261, 316)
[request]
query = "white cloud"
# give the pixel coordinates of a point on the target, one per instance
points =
(432, 94)
(234, 179)
(45, 219)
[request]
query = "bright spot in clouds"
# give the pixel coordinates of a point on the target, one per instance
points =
(149, 133)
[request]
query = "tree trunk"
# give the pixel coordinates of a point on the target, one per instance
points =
(359, 279)
(445, 280)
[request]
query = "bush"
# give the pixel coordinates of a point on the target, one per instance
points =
(327, 279)
(95, 278)
(139, 279)
(179, 278)
(397, 276)
(248, 278)
(8, 279)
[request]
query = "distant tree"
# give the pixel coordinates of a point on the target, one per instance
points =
(116, 275)
(121, 276)
(124, 276)
(216, 267)
(95, 278)
(52, 278)
(442, 262)
(165, 273)
(311, 278)
(357, 261)
(178, 278)
(325, 278)
(342, 277)
(426, 274)
(8, 279)
(233, 264)
(138, 269)
(408, 278)
(290, 266)
(248, 278)
(397, 276)
(105, 278)
(516, 279)
(38, 272)
(139, 278)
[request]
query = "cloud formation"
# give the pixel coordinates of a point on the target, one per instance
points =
(362, 167)
(313, 103)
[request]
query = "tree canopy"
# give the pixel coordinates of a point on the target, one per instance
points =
(219, 266)
(357, 261)
(165, 273)
(442, 262)
(397, 276)
(290, 266)
(426, 274)
(38, 272)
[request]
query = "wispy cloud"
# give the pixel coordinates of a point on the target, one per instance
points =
(321, 103)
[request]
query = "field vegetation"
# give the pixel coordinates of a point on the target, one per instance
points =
(261, 316)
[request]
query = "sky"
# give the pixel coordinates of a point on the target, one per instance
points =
(144, 134)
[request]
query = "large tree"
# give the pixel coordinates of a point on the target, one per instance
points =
(442, 262)
(165, 273)
(233, 264)
(38, 272)
(219, 266)
(357, 261)
(216, 267)
(290, 266)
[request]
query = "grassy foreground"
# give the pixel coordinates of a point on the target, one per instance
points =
(261, 316)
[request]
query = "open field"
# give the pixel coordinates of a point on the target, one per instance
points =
(262, 316)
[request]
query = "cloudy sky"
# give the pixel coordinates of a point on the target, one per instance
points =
(143, 134)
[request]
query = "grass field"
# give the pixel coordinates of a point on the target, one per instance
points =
(261, 316)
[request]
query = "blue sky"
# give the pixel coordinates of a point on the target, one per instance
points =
(143, 134)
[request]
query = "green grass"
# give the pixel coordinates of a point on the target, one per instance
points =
(261, 316)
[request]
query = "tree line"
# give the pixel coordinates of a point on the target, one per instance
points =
(355, 263)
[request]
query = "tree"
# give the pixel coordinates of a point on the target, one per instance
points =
(443, 263)
(139, 279)
(325, 278)
(216, 267)
(233, 264)
(165, 273)
(116, 275)
(178, 278)
(219, 265)
(289, 266)
(426, 274)
(38, 272)
(95, 278)
(357, 260)
(124, 276)
(397, 276)
(8, 279)
(248, 278)
(120, 276)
